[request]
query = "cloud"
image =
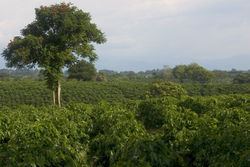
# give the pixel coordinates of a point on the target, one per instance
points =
(151, 33)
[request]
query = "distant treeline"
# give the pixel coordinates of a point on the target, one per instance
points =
(192, 73)
(14, 94)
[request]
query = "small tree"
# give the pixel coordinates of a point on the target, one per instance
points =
(60, 35)
(82, 70)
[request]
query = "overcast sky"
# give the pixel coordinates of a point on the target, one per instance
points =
(147, 34)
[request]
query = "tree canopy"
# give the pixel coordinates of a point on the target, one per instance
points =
(192, 73)
(82, 70)
(241, 79)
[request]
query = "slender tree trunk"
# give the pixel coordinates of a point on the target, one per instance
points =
(54, 97)
(59, 94)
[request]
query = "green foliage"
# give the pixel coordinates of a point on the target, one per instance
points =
(192, 73)
(14, 94)
(152, 112)
(166, 89)
(179, 72)
(199, 74)
(82, 70)
(100, 77)
(201, 131)
(242, 78)
(57, 32)
(216, 89)
(165, 74)
(42, 137)
(60, 35)
(224, 143)
(113, 128)
(186, 132)
(199, 105)
(145, 151)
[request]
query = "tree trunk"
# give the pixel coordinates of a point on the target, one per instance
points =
(54, 97)
(59, 94)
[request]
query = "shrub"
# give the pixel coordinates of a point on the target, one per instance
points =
(166, 89)
(152, 112)
(42, 137)
(113, 128)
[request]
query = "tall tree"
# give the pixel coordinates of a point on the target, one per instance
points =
(60, 35)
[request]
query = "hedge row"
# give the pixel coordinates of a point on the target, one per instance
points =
(216, 89)
(14, 94)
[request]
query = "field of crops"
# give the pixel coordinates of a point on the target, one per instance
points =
(14, 94)
(58, 110)
(155, 132)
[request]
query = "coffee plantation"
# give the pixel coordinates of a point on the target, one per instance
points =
(151, 132)
(56, 110)
(16, 93)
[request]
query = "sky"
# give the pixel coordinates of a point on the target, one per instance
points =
(148, 34)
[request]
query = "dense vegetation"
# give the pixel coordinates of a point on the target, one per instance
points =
(82, 71)
(158, 132)
(125, 124)
(14, 94)
(186, 116)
